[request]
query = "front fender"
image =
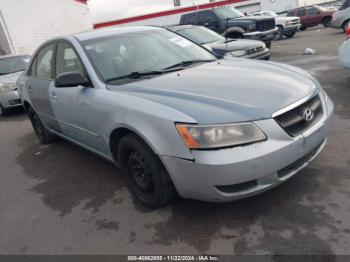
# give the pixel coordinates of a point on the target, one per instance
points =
(153, 122)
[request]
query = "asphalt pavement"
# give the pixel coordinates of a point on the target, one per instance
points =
(61, 199)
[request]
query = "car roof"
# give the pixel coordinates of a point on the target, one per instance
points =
(114, 31)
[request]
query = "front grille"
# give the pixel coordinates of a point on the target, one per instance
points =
(265, 25)
(255, 50)
(293, 121)
(14, 102)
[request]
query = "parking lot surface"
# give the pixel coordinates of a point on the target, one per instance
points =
(61, 199)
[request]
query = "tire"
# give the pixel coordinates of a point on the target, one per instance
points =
(3, 111)
(289, 35)
(44, 135)
(280, 32)
(345, 25)
(146, 176)
(303, 28)
(268, 45)
(327, 21)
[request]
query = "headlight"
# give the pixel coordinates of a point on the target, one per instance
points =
(238, 53)
(217, 136)
(7, 87)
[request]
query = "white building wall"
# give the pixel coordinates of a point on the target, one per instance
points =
(31, 22)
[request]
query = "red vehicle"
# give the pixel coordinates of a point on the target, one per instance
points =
(312, 16)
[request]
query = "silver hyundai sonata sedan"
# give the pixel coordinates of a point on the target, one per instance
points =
(175, 118)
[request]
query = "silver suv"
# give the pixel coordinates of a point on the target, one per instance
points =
(341, 19)
(172, 116)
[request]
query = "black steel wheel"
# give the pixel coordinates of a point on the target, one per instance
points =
(147, 178)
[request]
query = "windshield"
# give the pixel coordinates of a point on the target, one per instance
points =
(154, 50)
(200, 35)
(227, 12)
(14, 64)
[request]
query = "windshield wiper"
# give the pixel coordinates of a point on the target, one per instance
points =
(135, 75)
(189, 62)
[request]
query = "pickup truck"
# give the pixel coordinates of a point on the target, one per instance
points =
(287, 26)
(231, 23)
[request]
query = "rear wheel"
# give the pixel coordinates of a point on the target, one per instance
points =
(44, 135)
(303, 28)
(3, 111)
(326, 21)
(146, 176)
(268, 45)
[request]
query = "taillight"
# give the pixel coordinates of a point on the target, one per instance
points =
(347, 34)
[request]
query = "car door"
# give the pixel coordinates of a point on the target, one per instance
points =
(40, 78)
(314, 15)
(208, 19)
(74, 106)
(303, 16)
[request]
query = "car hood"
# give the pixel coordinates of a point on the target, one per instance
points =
(233, 45)
(225, 91)
(10, 78)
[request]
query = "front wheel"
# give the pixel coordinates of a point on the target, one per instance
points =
(147, 178)
(3, 111)
(44, 135)
(290, 34)
(268, 45)
(280, 33)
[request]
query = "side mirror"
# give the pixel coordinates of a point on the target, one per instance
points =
(71, 79)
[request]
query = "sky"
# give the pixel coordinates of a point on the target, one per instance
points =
(105, 10)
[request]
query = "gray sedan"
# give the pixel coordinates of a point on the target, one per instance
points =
(172, 116)
(221, 46)
(10, 69)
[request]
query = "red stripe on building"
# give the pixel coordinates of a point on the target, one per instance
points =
(166, 13)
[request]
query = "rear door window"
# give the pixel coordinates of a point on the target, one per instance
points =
(206, 17)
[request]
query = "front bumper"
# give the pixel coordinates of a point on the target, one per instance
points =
(336, 22)
(239, 172)
(10, 99)
(292, 29)
(265, 36)
(264, 55)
